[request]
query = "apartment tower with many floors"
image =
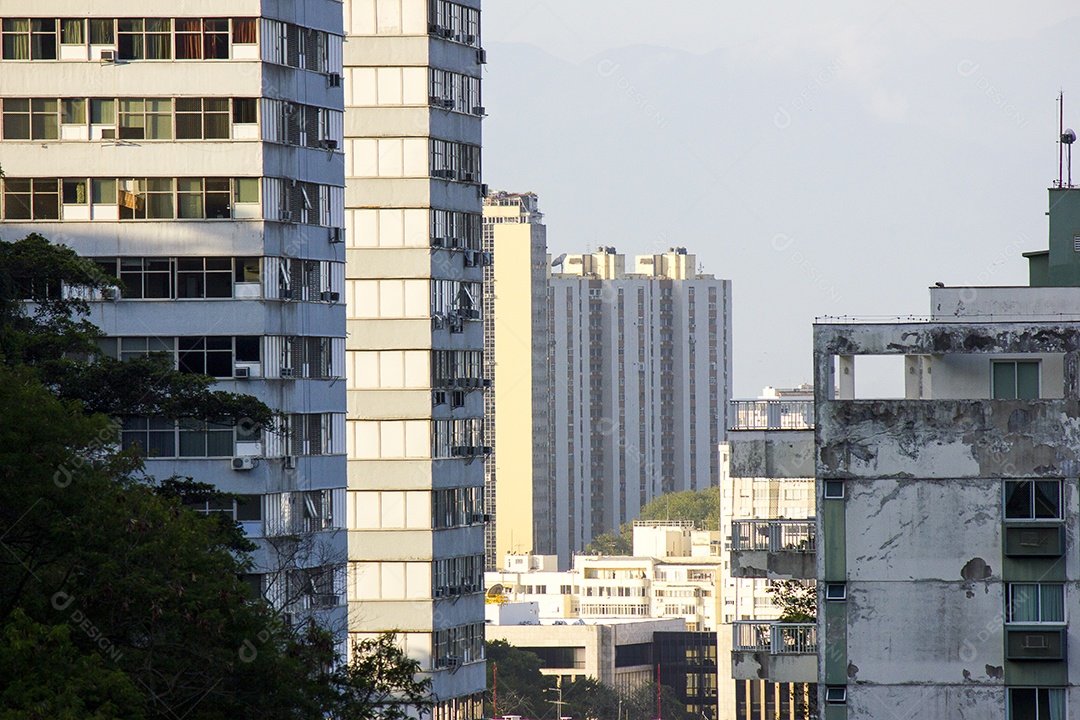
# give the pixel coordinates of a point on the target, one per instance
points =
(518, 484)
(639, 380)
(414, 293)
(195, 155)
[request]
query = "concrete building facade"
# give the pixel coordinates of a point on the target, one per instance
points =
(956, 501)
(414, 291)
(518, 485)
(639, 376)
(195, 156)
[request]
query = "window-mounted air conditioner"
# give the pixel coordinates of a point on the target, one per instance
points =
(333, 80)
(108, 56)
(243, 463)
(242, 373)
(290, 462)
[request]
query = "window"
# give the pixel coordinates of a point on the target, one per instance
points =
(1036, 704)
(73, 111)
(31, 199)
(836, 695)
(198, 39)
(147, 199)
(204, 198)
(1032, 499)
(102, 31)
(146, 277)
(834, 489)
(1034, 603)
(201, 439)
(202, 118)
(245, 31)
(29, 39)
(245, 111)
(155, 438)
(206, 356)
(242, 508)
(1016, 380)
(144, 39)
(836, 591)
(72, 32)
(204, 277)
(36, 119)
(146, 119)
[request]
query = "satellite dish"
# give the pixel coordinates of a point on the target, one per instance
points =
(1068, 137)
(559, 260)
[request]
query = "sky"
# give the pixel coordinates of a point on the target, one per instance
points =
(829, 158)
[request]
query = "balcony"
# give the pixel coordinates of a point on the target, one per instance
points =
(771, 415)
(777, 549)
(774, 651)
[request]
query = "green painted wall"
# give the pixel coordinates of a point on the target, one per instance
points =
(1063, 268)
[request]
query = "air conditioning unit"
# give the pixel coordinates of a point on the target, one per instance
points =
(243, 463)
(1034, 644)
(438, 242)
(337, 235)
(489, 259)
(438, 592)
(470, 259)
(287, 372)
(487, 450)
(479, 110)
(327, 144)
(471, 314)
(108, 56)
(287, 294)
(242, 373)
(108, 133)
(469, 39)
(487, 382)
(110, 293)
(330, 296)
(483, 190)
(290, 462)
(481, 57)
(438, 322)
(1034, 540)
(446, 32)
(285, 216)
(333, 80)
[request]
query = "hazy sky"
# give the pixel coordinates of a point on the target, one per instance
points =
(830, 158)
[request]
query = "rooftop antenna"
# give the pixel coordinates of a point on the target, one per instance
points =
(1066, 139)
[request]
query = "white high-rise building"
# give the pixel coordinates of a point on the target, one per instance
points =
(194, 155)
(415, 336)
(639, 378)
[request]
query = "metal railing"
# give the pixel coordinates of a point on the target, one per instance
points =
(775, 638)
(771, 415)
(774, 535)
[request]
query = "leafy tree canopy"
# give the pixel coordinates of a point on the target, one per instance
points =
(701, 507)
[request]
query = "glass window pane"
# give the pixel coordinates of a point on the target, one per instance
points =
(16, 126)
(192, 442)
(219, 443)
(219, 363)
(1018, 499)
(1022, 704)
(158, 47)
(1053, 603)
(74, 112)
(1027, 380)
(159, 206)
(189, 126)
(1024, 603)
(158, 25)
(249, 508)
(1004, 381)
(101, 32)
(103, 191)
(75, 192)
(218, 285)
(247, 349)
(71, 32)
(190, 206)
(244, 31)
(247, 190)
(245, 111)
(1047, 499)
(216, 126)
(102, 111)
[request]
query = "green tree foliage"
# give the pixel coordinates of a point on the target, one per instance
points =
(115, 600)
(521, 688)
(797, 600)
(701, 507)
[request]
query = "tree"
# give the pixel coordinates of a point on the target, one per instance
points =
(521, 685)
(701, 507)
(116, 601)
(797, 600)
(613, 543)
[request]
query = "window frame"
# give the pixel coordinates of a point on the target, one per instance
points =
(1009, 587)
(1010, 702)
(1032, 500)
(1016, 363)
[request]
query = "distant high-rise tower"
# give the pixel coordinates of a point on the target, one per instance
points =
(415, 344)
(518, 485)
(640, 378)
(195, 157)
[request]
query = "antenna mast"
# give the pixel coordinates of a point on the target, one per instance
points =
(1061, 131)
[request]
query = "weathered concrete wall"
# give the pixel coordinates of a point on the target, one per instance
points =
(968, 377)
(779, 565)
(951, 438)
(905, 530)
(874, 702)
(772, 453)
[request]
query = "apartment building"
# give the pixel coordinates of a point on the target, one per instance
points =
(414, 291)
(947, 512)
(518, 485)
(639, 376)
(195, 155)
(768, 662)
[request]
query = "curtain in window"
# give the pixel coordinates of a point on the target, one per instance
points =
(16, 39)
(1057, 704)
(1053, 603)
(71, 32)
(188, 39)
(1024, 606)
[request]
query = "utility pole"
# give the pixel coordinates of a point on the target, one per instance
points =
(558, 703)
(495, 690)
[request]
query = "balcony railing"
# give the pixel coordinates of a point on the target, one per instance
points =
(775, 638)
(771, 415)
(774, 535)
